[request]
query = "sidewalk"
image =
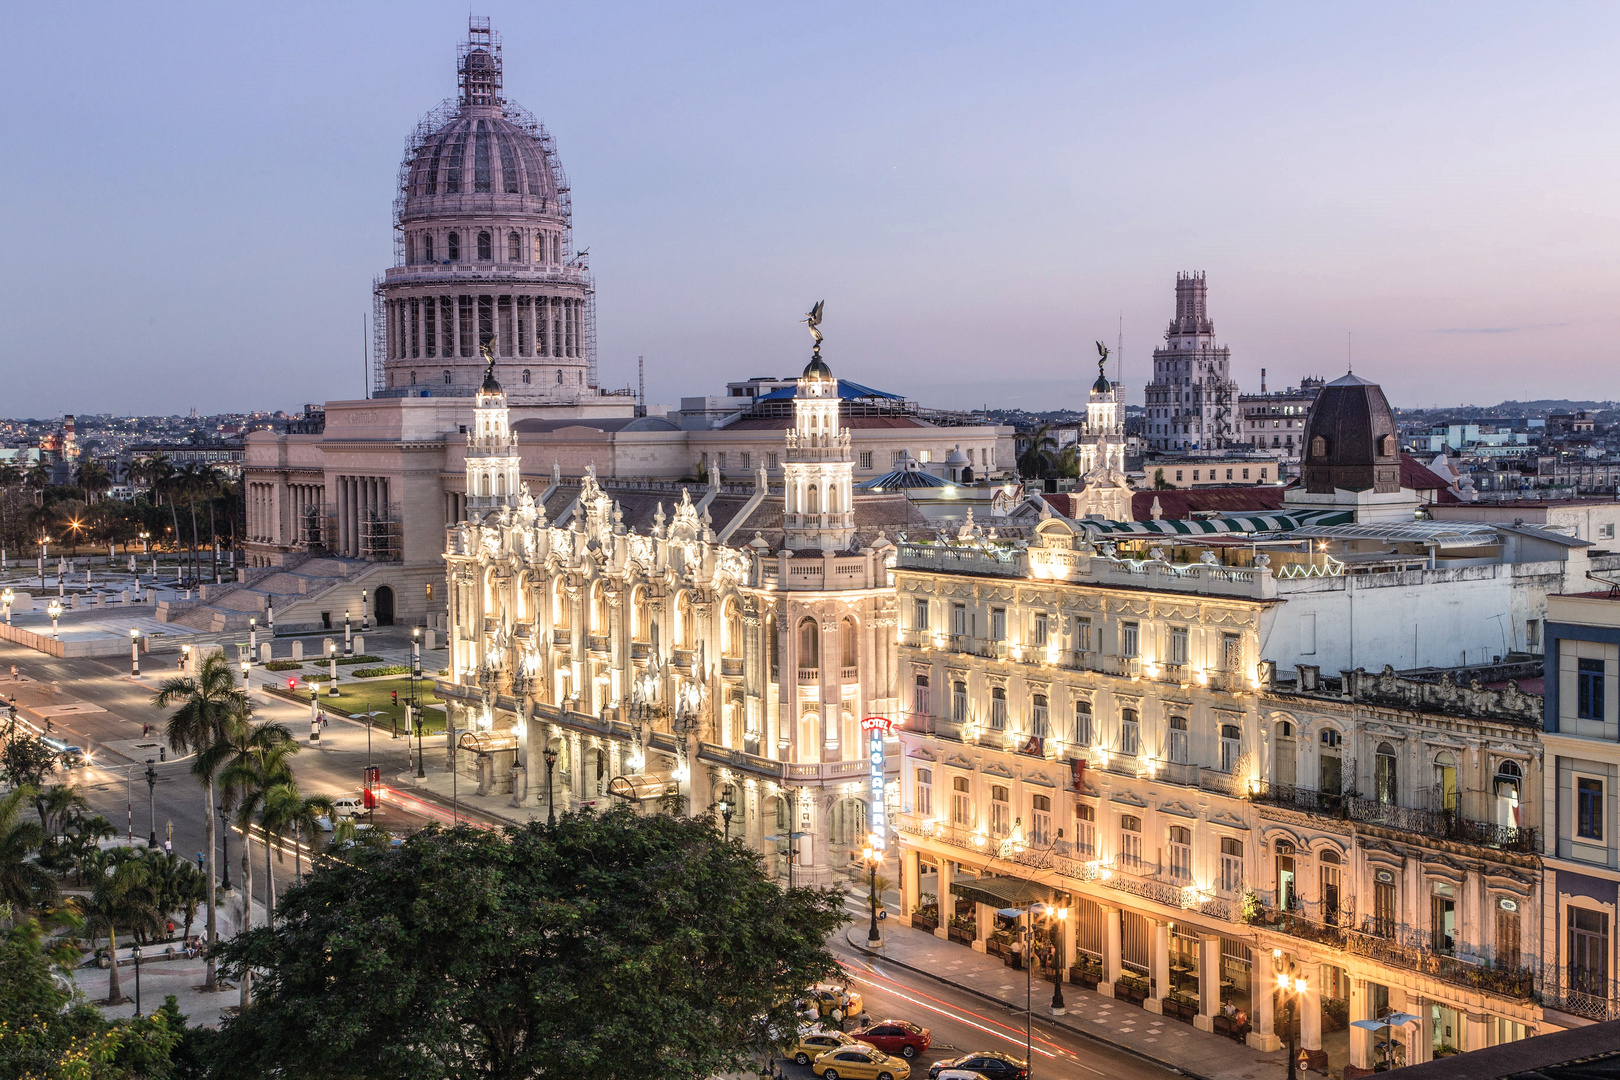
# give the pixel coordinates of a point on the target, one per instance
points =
(1160, 1039)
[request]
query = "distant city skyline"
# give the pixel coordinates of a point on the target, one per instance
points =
(200, 196)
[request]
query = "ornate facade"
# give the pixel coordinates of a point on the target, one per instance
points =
(1192, 401)
(679, 654)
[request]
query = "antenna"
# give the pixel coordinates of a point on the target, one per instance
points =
(365, 357)
(1119, 350)
(641, 384)
(1349, 356)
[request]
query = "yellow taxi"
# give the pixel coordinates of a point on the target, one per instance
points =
(815, 1041)
(828, 997)
(860, 1063)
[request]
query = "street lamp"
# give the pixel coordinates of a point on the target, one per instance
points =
(135, 651)
(551, 809)
(225, 845)
(151, 805)
(871, 856)
(1062, 916)
(54, 610)
(331, 657)
(136, 953)
(348, 636)
(365, 618)
(725, 816)
(416, 705)
(253, 635)
(1291, 988)
(7, 598)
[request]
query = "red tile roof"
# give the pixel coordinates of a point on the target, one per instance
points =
(1417, 476)
(1179, 504)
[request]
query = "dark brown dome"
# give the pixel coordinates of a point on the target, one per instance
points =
(1350, 440)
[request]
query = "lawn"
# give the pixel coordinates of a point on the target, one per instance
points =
(377, 696)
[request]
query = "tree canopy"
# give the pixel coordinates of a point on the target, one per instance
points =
(610, 945)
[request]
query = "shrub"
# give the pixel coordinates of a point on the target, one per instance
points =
(283, 665)
(373, 672)
(366, 659)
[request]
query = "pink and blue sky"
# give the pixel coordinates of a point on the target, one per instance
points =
(197, 196)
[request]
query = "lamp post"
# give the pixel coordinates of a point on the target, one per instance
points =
(136, 953)
(1291, 987)
(725, 816)
(151, 804)
(871, 856)
(54, 610)
(348, 636)
(129, 804)
(331, 658)
(270, 616)
(365, 617)
(1062, 916)
(253, 636)
(135, 652)
(416, 705)
(225, 845)
(7, 598)
(551, 764)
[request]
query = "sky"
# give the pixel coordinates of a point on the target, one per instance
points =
(199, 196)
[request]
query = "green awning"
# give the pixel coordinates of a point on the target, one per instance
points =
(1002, 892)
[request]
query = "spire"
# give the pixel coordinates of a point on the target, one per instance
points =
(478, 66)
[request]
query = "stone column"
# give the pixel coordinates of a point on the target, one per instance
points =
(1209, 982)
(1161, 968)
(1262, 1001)
(946, 905)
(1112, 951)
(1309, 1005)
(984, 919)
(1361, 1040)
(1478, 1032)
(910, 867)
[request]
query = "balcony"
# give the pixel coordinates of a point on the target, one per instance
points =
(1580, 994)
(1222, 783)
(809, 676)
(849, 673)
(938, 831)
(1413, 949)
(1294, 797)
(1146, 880)
(1315, 921)
(1443, 825)
(731, 667)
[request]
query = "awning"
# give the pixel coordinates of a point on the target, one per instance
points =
(1002, 892)
(641, 787)
(485, 742)
(1226, 523)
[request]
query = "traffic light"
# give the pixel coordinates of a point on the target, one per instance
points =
(396, 698)
(292, 682)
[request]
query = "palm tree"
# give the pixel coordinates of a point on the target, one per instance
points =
(176, 884)
(122, 897)
(287, 808)
(37, 479)
(1036, 461)
(23, 883)
(81, 843)
(257, 763)
(208, 704)
(92, 476)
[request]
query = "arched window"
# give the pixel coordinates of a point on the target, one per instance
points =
(453, 247)
(1386, 446)
(1000, 811)
(832, 498)
(849, 644)
(1038, 717)
(1329, 895)
(1130, 841)
(1180, 838)
(514, 247)
(1231, 747)
(413, 378)
(427, 247)
(961, 803)
(919, 703)
(1385, 788)
(1508, 778)
(809, 644)
(539, 247)
(1176, 747)
(559, 376)
(485, 254)
(812, 501)
(525, 376)
(1083, 735)
(447, 378)
(998, 708)
(1318, 448)
(410, 251)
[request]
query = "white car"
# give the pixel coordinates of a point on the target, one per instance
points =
(348, 806)
(959, 1074)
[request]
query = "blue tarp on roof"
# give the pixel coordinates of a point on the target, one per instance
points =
(902, 478)
(846, 391)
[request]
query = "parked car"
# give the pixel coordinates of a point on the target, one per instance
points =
(896, 1037)
(860, 1063)
(815, 1041)
(992, 1065)
(959, 1074)
(829, 996)
(346, 806)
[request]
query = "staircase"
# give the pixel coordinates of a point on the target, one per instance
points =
(295, 590)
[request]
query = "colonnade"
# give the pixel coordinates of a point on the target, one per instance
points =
(360, 499)
(428, 327)
(278, 513)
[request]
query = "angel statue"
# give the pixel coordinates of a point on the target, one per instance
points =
(488, 349)
(1102, 357)
(813, 320)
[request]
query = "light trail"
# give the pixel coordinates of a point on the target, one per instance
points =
(958, 1013)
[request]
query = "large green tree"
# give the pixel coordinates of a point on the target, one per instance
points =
(614, 945)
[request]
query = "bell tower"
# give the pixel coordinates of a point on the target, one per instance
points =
(818, 469)
(492, 453)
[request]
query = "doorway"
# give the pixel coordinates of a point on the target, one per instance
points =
(384, 605)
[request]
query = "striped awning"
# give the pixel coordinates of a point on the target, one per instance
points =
(1231, 523)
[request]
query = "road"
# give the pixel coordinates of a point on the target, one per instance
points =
(962, 1022)
(101, 708)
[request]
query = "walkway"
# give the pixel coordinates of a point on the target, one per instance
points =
(1160, 1039)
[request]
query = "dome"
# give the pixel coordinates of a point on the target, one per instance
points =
(817, 368)
(1102, 385)
(1350, 440)
(500, 158)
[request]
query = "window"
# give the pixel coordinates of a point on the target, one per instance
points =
(770, 459)
(998, 708)
(1231, 866)
(514, 247)
(1383, 923)
(447, 378)
(961, 804)
(1507, 934)
(866, 459)
(1038, 631)
(1129, 737)
(485, 249)
(1130, 841)
(525, 376)
(540, 247)
(453, 247)
(1038, 722)
(897, 458)
(427, 248)
(959, 619)
(920, 702)
(1231, 652)
(1082, 723)
(1176, 745)
(1040, 820)
(1589, 951)
(919, 619)
(959, 702)
(1588, 808)
(1178, 645)
(998, 624)
(1245, 474)
(1085, 830)
(1532, 634)
(1000, 811)
(1606, 532)
(1231, 747)
(1082, 634)
(1384, 775)
(1589, 690)
(1180, 853)
(925, 793)
(1330, 864)
(1128, 640)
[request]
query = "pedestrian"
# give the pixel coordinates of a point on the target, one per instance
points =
(168, 849)
(199, 860)
(864, 1021)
